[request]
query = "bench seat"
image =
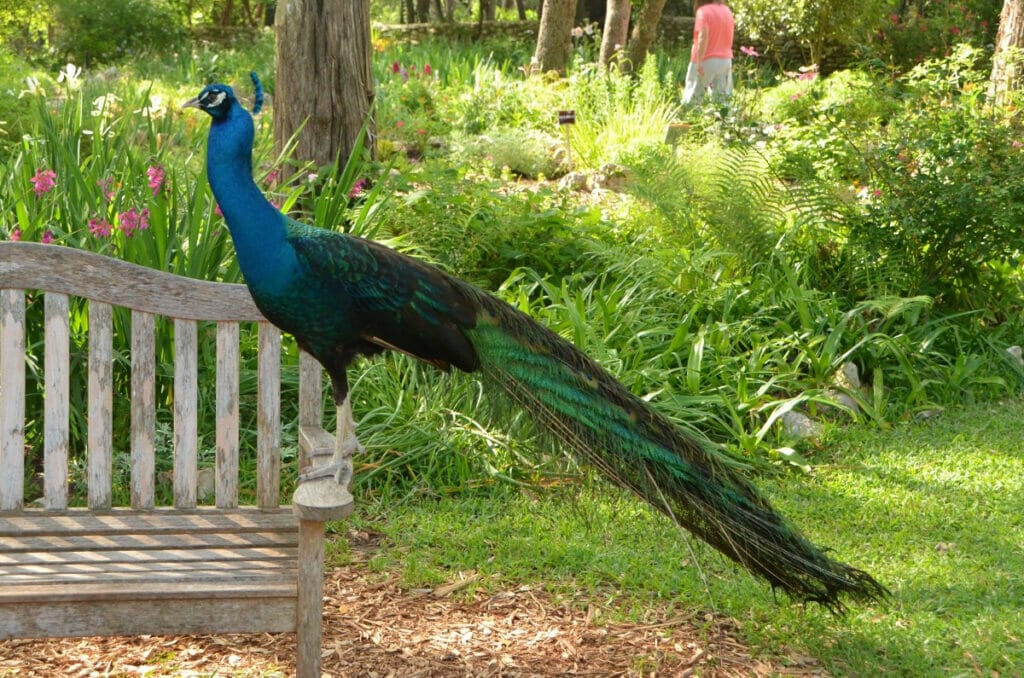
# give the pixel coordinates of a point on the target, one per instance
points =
(212, 570)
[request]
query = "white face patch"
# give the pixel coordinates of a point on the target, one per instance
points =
(213, 99)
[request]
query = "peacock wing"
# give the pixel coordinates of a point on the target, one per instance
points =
(397, 302)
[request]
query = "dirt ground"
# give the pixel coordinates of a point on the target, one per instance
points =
(372, 627)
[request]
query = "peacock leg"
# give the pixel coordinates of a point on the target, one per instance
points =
(346, 444)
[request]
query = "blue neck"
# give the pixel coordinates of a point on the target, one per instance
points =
(257, 227)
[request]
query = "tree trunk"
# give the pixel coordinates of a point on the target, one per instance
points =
(1007, 60)
(422, 11)
(644, 31)
(553, 37)
(616, 29)
(228, 13)
(324, 84)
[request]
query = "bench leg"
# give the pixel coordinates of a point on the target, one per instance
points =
(309, 625)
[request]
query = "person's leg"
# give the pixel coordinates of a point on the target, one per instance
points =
(718, 74)
(693, 93)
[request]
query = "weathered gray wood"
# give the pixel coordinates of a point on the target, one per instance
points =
(227, 415)
(311, 398)
(159, 521)
(12, 399)
(186, 416)
(168, 556)
(143, 399)
(191, 590)
(268, 434)
(273, 613)
(168, 540)
(101, 404)
(53, 268)
(57, 409)
(160, 573)
(309, 622)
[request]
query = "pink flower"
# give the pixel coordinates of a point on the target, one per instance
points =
(133, 220)
(43, 181)
(400, 123)
(808, 75)
(427, 70)
(272, 177)
(216, 210)
(47, 237)
(100, 228)
(15, 235)
(1016, 144)
(357, 189)
(877, 193)
(955, 30)
(396, 67)
(749, 51)
(895, 18)
(156, 176)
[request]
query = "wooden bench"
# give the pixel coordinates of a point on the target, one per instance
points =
(145, 569)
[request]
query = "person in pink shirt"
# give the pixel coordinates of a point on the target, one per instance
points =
(711, 56)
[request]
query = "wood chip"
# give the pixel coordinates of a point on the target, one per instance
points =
(374, 628)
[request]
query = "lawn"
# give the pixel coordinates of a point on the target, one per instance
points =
(932, 508)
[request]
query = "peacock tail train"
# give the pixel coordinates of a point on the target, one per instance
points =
(600, 422)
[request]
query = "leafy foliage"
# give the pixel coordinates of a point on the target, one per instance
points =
(113, 30)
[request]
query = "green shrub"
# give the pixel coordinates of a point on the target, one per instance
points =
(919, 30)
(88, 31)
(526, 153)
(943, 216)
(816, 28)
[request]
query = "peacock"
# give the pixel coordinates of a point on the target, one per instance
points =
(342, 296)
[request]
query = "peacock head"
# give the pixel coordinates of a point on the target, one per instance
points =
(215, 100)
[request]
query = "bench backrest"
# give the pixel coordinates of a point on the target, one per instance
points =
(61, 273)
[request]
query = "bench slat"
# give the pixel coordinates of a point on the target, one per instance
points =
(56, 407)
(100, 571)
(157, 576)
(186, 415)
(268, 433)
(101, 404)
(106, 542)
(51, 268)
(100, 591)
(12, 399)
(143, 399)
(195, 614)
(167, 556)
(158, 521)
(311, 399)
(227, 415)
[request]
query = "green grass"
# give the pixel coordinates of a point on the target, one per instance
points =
(933, 509)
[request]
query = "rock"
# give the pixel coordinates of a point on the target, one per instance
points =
(843, 399)
(849, 374)
(800, 425)
(574, 181)
(610, 177)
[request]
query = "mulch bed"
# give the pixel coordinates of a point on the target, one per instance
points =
(372, 627)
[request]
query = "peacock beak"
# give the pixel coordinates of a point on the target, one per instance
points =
(191, 103)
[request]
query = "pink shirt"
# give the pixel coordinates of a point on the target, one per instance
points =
(718, 21)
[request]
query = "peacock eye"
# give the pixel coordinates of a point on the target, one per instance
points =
(213, 98)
